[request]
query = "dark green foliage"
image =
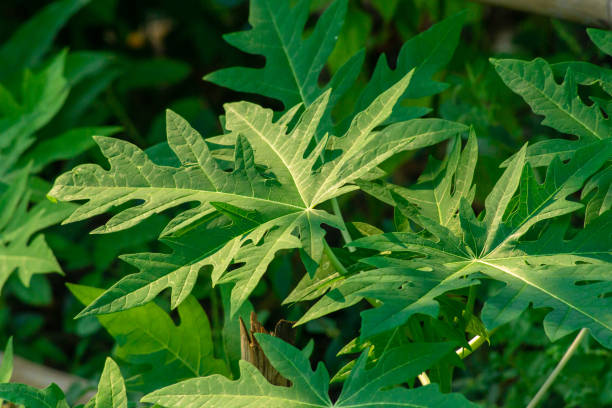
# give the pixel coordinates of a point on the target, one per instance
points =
(311, 200)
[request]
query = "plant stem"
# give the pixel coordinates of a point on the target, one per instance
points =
(333, 259)
(424, 379)
(471, 299)
(336, 208)
(555, 373)
(344, 231)
(474, 343)
(462, 352)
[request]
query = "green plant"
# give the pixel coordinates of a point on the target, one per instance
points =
(437, 284)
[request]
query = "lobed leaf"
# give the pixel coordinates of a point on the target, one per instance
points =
(146, 336)
(535, 272)
(246, 216)
(364, 388)
(21, 248)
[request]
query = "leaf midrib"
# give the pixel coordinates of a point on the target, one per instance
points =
(543, 290)
(166, 346)
(542, 93)
(191, 191)
(550, 199)
(285, 51)
(288, 166)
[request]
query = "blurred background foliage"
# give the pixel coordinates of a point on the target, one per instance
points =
(126, 62)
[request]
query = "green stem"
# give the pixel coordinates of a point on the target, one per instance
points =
(475, 342)
(471, 299)
(555, 373)
(424, 379)
(333, 259)
(344, 231)
(336, 208)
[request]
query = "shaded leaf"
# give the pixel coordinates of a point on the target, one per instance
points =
(158, 351)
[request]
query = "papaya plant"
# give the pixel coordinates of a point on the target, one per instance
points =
(428, 289)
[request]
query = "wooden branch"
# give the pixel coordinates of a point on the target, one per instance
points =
(39, 376)
(590, 12)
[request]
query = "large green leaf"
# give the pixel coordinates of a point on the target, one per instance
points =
(268, 211)
(545, 272)
(293, 64)
(364, 388)
(147, 337)
(565, 111)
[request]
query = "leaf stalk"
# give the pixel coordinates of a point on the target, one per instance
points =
(555, 373)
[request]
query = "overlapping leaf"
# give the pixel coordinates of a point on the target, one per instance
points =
(587, 73)
(269, 212)
(546, 272)
(364, 388)
(157, 351)
(440, 189)
(560, 104)
(599, 189)
(564, 110)
(22, 249)
(294, 64)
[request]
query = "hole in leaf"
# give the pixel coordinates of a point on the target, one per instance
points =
(586, 282)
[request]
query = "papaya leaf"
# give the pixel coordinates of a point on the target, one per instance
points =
(269, 212)
(22, 248)
(157, 351)
(439, 190)
(544, 272)
(426, 54)
(363, 388)
(561, 106)
(294, 64)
